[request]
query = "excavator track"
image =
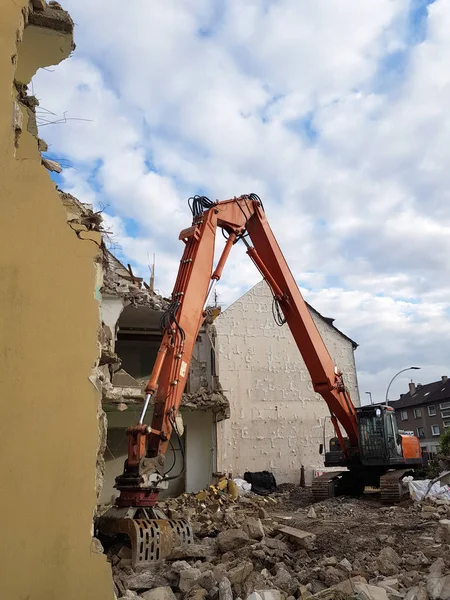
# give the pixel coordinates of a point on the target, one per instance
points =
(391, 486)
(324, 486)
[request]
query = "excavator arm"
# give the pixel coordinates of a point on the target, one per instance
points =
(243, 219)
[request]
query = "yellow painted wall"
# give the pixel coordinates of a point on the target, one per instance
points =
(48, 345)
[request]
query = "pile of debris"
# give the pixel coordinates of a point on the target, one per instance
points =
(254, 548)
(257, 545)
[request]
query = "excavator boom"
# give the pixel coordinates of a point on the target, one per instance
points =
(240, 219)
(243, 219)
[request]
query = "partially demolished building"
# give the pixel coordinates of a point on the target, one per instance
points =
(130, 337)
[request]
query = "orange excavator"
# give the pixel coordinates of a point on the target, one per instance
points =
(367, 442)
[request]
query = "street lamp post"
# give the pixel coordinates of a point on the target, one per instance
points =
(396, 375)
(370, 396)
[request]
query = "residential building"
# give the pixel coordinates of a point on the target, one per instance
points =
(425, 410)
(277, 420)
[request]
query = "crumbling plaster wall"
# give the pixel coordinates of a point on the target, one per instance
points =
(49, 318)
(276, 417)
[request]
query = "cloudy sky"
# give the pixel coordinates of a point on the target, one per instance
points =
(336, 112)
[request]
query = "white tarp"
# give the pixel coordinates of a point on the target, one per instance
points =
(242, 486)
(433, 489)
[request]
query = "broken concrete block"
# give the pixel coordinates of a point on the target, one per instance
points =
(418, 592)
(312, 513)
(437, 568)
(225, 592)
(388, 561)
(254, 528)
(304, 539)
(142, 581)
(329, 561)
(269, 594)
(275, 544)
(365, 591)
(207, 580)
(189, 578)
(232, 539)
(193, 551)
(159, 593)
(240, 573)
(284, 581)
(180, 565)
(346, 587)
(51, 165)
(438, 587)
(346, 565)
(213, 593)
(389, 582)
(393, 594)
(196, 593)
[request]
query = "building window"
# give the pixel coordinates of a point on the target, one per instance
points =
(417, 413)
(445, 414)
(420, 432)
(404, 415)
(435, 430)
(432, 410)
(444, 405)
(447, 424)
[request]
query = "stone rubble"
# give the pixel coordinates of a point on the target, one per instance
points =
(252, 548)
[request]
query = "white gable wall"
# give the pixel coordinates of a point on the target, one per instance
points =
(276, 419)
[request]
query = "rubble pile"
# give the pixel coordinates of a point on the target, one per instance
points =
(257, 548)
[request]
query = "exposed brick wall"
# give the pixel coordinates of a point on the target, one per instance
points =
(276, 417)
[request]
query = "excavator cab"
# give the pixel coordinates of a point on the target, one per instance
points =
(379, 440)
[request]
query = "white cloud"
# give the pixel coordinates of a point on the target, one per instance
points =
(325, 109)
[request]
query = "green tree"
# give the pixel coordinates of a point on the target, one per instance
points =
(444, 443)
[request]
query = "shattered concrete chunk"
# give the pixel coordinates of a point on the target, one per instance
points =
(391, 583)
(304, 539)
(347, 587)
(312, 513)
(388, 561)
(196, 593)
(225, 592)
(365, 591)
(240, 572)
(189, 578)
(232, 539)
(268, 595)
(346, 565)
(207, 580)
(180, 565)
(418, 592)
(284, 581)
(159, 593)
(142, 581)
(254, 528)
(51, 165)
